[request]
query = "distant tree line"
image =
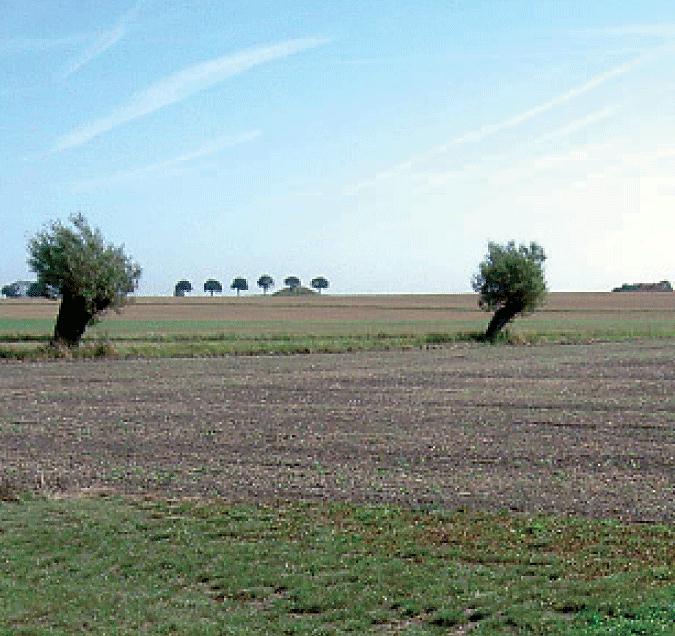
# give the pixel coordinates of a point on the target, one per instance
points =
(662, 286)
(239, 284)
(29, 289)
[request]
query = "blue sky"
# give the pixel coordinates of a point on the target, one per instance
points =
(380, 144)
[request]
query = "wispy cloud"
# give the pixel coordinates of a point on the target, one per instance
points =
(182, 85)
(38, 45)
(169, 165)
(103, 42)
(577, 125)
(664, 30)
(482, 133)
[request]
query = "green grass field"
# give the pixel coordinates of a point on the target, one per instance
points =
(114, 566)
(166, 338)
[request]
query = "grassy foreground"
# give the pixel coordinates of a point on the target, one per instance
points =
(115, 566)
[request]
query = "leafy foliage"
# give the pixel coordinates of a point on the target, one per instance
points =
(28, 288)
(319, 283)
(265, 282)
(212, 285)
(89, 275)
(11, 291)
(240, 284)
(182, 287)
(510, 281)
(511, 275)
(76, 261)
(40, 290)
(662, 286)
(292, 282)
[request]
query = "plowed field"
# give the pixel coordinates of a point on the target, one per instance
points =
(583, 429)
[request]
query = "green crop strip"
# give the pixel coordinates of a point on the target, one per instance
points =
(115, 566)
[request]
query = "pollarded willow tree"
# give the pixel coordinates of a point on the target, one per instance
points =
(88, 274)
(510, 281)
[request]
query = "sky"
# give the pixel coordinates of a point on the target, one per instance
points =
(379, 144)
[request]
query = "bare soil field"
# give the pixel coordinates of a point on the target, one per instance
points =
(580, 429)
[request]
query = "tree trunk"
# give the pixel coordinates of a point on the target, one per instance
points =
(71, 322)
(503, 316)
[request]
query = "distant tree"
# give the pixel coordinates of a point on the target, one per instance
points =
(292, 282)
(182, 287)
(40, 290)
(89, 275)
(240, 284)
(319, 283)
(212, 285)
(510, 281)
(662, 286)
(11, 291)
(265, 282)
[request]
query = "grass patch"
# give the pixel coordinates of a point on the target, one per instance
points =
(28, 339)
(88, 351)
(111, 565)
(170, 345)
(191, 345)
(296, 291)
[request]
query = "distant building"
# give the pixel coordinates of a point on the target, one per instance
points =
(23, 286)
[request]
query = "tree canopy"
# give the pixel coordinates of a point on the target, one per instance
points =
(40, 290)
(11, 291)
(319, 283)
(662, 286)
(510, 281)
(90, 275)
(265, 282)
(182, 287)
(212, 285)
(292, 281)
(240, 284)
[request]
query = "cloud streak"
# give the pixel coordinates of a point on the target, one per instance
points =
(39, 45)
(665, 30)
(484, 132)
(210, 148)
(577, 125)
(106, 40)
(183, 84)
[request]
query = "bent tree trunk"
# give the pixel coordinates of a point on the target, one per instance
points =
(502, 317)
(72, 320)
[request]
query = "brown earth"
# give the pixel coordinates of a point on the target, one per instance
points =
(337, 308)
(578, 429)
